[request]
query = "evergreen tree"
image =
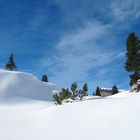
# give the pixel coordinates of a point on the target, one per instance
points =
(61, 96)
(57, 99)
(85, 89)
(97, 92)
(132, 63)
(11, 64)
(81, 94)
(132, 42)
(138, 59)
(44, 78)
(73, 89)
(65, 94)
(114, 90)
(134, 78)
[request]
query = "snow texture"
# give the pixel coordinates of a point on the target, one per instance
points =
(112, 118)
(19, 84)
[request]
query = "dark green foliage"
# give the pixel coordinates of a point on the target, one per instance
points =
(81, 94)
(44, 78)
(85, 89)
(84, 92)
(73, 89)
(66, 96)
(11, 64)
(114, 90)
(138, 59)
(63, 95)
(132, 63)
(57, 99)
(97, 92)
(132, 42)
(134, 78)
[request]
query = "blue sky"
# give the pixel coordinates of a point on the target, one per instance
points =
(69, 40)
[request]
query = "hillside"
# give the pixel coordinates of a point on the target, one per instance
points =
(23, 85)
(113, 118)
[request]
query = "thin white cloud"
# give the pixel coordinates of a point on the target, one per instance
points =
(79, 52)
(125, 10)
(92, 46)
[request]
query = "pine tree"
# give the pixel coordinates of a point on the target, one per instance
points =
(114, 90)
(97, 92)
(132, 42)
(85, 89)
(138, 59)
(64, 94)
(73, 89)
(57, 99)
(11, 64)
(134, 78)
(44, 78)
(132, 63)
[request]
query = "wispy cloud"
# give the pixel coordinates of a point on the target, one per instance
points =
(125, 10)
(79, 52)
(73, 40)
(90, 52)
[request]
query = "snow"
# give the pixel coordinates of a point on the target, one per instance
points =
(112, 118)
(23, 85)
(98, 118)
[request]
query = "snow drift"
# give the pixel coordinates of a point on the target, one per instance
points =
(115, 117)
(112, 118)
(19, 84)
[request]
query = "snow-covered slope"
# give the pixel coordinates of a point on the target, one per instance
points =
(113, 118)
(19, 84)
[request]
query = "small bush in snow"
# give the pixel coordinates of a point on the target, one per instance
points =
(44, 78)
(74, 89)
(69, 96)
(97, 92)
(114, 90)
(85, 89)
(63, 96)
(84, 92)
(57, 99)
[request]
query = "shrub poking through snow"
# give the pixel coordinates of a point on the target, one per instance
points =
(74, 89)
(57, 99)
(84, 92)
(97, 92)
(85, 89)
(114, 90)
(44, 78)
(65, 95)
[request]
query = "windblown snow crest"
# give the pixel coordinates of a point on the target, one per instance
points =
(19, 84)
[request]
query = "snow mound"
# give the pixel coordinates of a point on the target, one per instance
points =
(114, 118)
(19, 84)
